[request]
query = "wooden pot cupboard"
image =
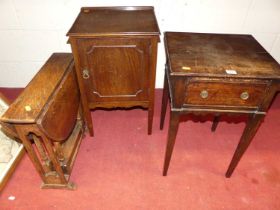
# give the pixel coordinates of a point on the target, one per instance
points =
(115, 53)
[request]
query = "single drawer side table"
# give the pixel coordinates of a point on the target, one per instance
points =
(218, 74)
(115, 52)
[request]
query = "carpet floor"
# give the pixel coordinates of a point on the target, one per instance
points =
(121, 166)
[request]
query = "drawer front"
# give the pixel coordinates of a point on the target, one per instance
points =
(225, 93)
(115, 69)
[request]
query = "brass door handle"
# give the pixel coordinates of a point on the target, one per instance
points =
(204, 94)
(244, 95)
(85, 74)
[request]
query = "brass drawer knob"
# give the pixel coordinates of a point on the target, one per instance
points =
(85, 74)
(244, 95)
(204, 94)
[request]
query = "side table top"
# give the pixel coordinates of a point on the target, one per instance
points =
(218, 55)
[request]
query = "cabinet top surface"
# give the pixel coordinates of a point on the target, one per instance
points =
(218, 55)
(106, 21)
(30, 103)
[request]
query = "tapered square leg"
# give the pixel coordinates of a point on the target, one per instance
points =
(150, 119)
(164, 102)
(172, 132)
(86, 116)
(250, 130)
(215, 123)
(89, 122)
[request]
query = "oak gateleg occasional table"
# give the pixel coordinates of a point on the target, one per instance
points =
(219, 74)
(46, 117)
